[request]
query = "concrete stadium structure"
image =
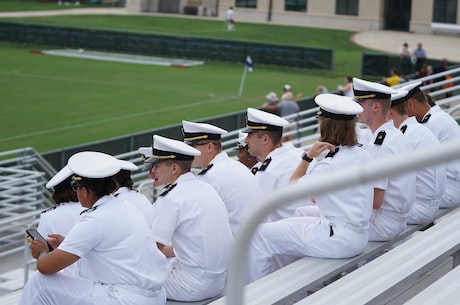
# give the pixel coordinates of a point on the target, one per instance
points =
(421, 16)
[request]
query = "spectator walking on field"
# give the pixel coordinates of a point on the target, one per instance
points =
(230, 22)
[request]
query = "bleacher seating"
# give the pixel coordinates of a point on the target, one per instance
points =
(309, 273)
(394, 271)
(19, 210)
(443, 291)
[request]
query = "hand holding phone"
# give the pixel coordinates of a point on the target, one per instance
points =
(33, 233)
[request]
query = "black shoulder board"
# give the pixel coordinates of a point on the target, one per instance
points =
(403, 129)
(204, 171)
(49, 209)
(167, 189)
(380, 137)
(426, 118)
(265, 164)
(332, 154)
(88, 210)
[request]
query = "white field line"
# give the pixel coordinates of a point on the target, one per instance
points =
(126, 58)
(117, 118)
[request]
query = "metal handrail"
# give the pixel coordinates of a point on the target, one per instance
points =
(326, 182)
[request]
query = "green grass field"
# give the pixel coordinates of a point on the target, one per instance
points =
(51, 102)
(32, 5)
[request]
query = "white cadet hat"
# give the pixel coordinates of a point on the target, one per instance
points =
(272, 97)
(364, 89)
(241, 144)
(195, 132)
(337, 107)
(60, 177)
(287, 87)
(146, 152)
(412, 89)
(92, 164)
(262, 120)
(399, 97)
(126, 165)
(169, 149)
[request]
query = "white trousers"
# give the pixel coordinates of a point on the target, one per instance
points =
(61, 288)
(280, 243)
(192, 283)
(423, 212)
(451, 196)
(385, 225)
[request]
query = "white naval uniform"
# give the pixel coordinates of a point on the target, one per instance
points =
(235, 184)
(282, 163)
(430, 181)
(59, 219)
(118, 246)
(446, 129)
(137, 199)
(364, 136)
(193, 219)
(390, 219)
(339, 232)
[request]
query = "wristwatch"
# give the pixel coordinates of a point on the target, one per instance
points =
(306, 158)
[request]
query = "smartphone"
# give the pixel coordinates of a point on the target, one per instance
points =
(33, 233)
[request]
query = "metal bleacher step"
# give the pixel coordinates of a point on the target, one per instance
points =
(11, 298)
(12, 280)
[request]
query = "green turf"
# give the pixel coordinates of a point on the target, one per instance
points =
(347, 54)
(51, 102)
(30, 5)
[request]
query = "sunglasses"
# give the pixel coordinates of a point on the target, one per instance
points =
(200, 144)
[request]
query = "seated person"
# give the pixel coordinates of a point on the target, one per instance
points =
(393, 79)
(191, 225)
(339, 230)
(105, 236)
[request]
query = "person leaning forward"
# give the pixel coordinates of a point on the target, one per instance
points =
(445, 128)
(190, 224)
(431, 180)
(113, 239)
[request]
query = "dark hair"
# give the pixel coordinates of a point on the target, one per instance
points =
(420, 97)
(430, 100)
(338, 132)
(275, 136)
(63, 192)
(99, 186)
(400, 109)
(123, 178)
